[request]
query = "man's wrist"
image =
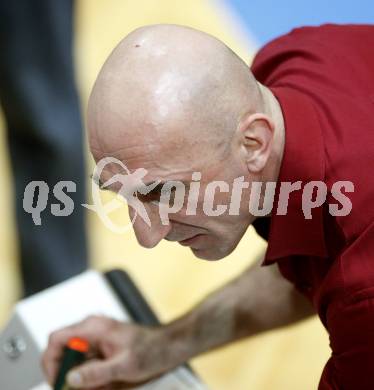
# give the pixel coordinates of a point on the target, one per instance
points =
(180, 339)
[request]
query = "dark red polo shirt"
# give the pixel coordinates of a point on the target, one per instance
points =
(323, 78)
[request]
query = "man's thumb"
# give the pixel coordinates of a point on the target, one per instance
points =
(94, 373)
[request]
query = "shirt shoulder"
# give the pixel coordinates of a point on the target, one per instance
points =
(308, 53)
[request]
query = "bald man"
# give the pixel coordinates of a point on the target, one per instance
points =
(175, 102)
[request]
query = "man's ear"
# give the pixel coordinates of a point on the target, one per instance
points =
(256, 133)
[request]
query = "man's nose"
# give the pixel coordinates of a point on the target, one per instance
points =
(149, 236)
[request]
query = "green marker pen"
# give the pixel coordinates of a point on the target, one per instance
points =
(74, 354)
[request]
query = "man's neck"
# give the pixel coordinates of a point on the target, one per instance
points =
(274, 111)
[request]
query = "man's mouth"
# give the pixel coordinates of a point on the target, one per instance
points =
(191, 240)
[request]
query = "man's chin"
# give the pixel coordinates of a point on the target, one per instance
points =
(210, 254)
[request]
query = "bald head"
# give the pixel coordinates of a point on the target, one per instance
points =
(177, 103)
(174, 90)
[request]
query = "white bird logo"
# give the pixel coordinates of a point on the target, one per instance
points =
(130, 184)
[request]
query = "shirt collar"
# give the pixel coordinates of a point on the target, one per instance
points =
(303, 159)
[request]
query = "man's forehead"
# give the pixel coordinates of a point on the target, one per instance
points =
(157, 160)
(122, 144)
(173, 143)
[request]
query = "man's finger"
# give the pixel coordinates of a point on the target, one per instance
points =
(93, 374)
(89, 329)
(53, 354)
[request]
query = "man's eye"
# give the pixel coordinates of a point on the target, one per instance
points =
(153, 196)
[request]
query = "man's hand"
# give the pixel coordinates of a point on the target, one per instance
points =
(123, 353)
(256, 301)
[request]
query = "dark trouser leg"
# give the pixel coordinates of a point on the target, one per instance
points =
(39, 99)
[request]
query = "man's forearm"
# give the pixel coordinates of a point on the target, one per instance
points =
(258, 300)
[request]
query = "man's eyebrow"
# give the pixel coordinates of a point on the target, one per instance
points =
(155, 190)
(160, 184)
